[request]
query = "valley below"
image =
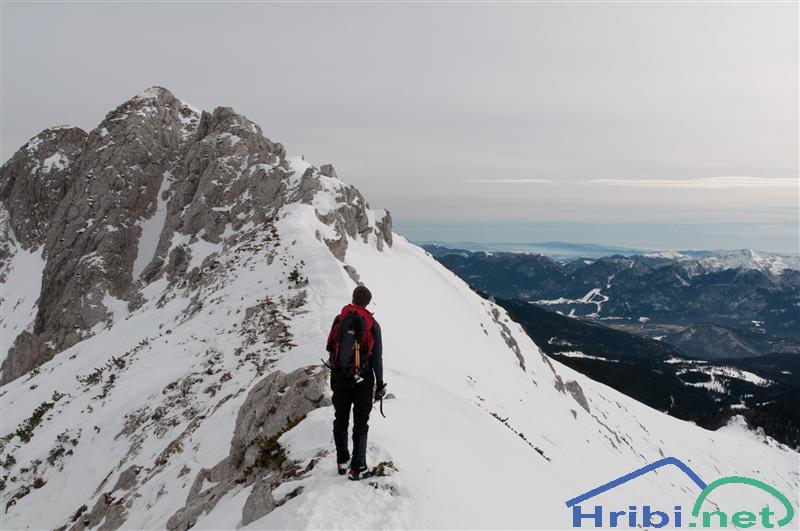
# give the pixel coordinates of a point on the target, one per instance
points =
(710, 373)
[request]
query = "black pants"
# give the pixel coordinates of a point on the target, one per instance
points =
(359, 398)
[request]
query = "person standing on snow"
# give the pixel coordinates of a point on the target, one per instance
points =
(355, 359)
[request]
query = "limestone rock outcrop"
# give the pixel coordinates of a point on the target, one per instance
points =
(274, 405)
(121, 206)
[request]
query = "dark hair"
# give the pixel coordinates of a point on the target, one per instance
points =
(361, 296)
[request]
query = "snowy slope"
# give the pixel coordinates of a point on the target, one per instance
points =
(444, 437)
(20, 289)
(440, 431)
(484, 431)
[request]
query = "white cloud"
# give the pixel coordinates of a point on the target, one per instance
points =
(706, 182)
(508, 181)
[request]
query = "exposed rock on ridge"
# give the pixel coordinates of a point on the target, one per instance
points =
(89, 199)
(273, 405)
(91, 240)
(36, 178)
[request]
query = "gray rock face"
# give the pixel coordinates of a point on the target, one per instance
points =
(350, 221)
(327, 169)
(84, 197)
(505, 332)
(108, 513)
(385, 230)
(91, 237)
(274, 404)
(230, 175)
(34, 181)
(27, 353)
(575, 389)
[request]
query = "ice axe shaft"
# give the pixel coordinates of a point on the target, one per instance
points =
(380, 408)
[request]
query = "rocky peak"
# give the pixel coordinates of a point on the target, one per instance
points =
(126, 204)
(225, 119)
(154, 92)
(92, 235)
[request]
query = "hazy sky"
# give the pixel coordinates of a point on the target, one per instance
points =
(654, 125)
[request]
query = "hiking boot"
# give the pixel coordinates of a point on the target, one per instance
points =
(342, 467)
(354, 474)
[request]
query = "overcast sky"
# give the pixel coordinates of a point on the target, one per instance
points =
(651, 125)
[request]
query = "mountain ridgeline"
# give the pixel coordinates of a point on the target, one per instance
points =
(168, 283)
(118, 207)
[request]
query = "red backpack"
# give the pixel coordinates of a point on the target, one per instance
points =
(350, 341)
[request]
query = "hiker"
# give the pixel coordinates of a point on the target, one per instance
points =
(356, 364)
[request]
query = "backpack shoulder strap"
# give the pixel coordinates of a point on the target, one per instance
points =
(366, 336)
(333, 336)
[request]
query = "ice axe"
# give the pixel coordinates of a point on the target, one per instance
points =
(379, 394)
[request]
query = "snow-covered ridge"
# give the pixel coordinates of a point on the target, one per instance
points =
(773, 263)
(148, 421)
(750, 259)
(183, 183)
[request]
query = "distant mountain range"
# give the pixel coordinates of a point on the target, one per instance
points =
(754, 296)
(569, 251)
(556, 250)
(703, 338)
